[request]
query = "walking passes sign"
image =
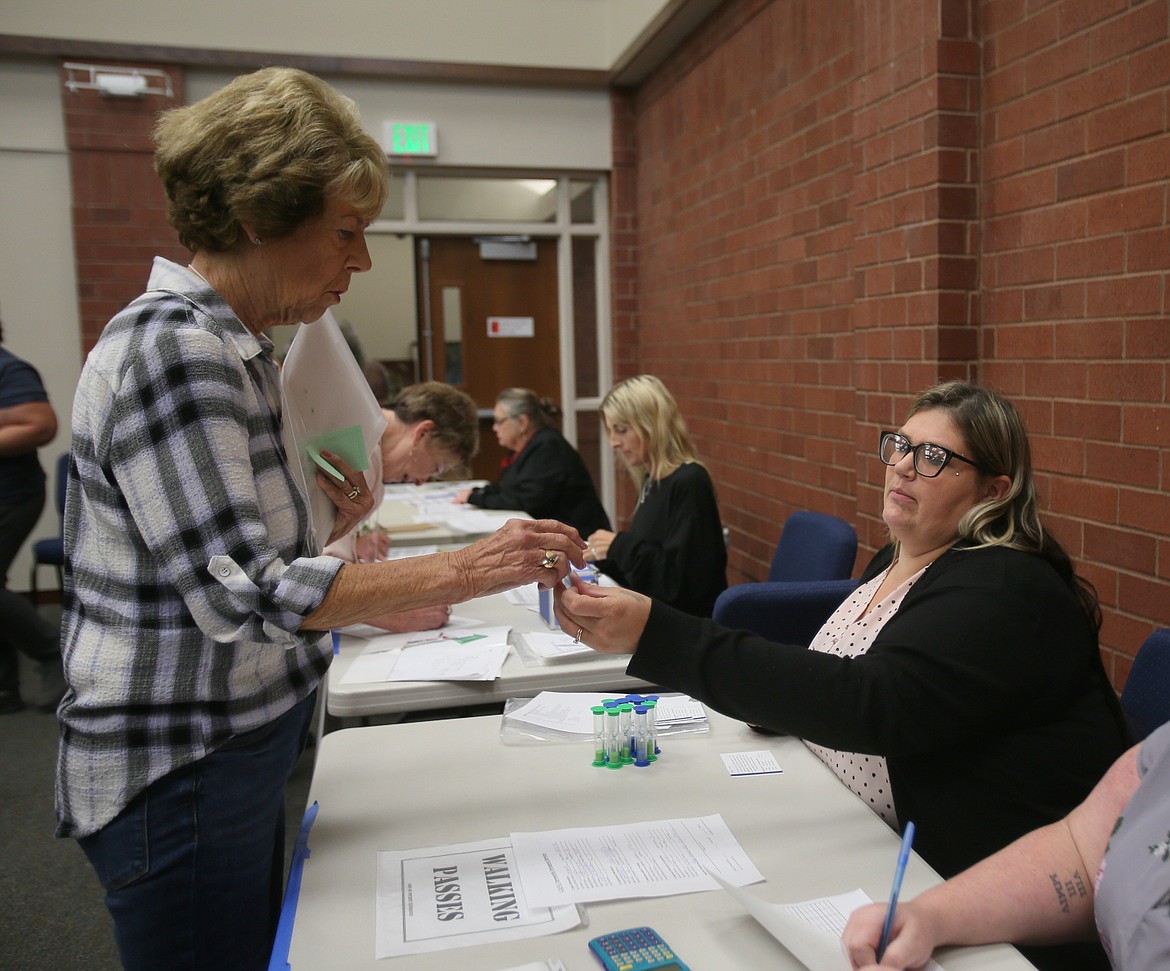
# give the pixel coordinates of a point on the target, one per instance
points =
(443, 897)
(511, 326)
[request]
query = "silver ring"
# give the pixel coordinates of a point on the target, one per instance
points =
(577, 636)
(354, 493)
(550, 559)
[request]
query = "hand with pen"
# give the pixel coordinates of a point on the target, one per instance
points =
(888, 937)
(912, 939)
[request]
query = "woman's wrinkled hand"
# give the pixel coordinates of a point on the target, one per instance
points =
(608, 619)
(911, 942)
(351, 496)
(522, 551)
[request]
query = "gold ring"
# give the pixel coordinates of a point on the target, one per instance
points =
(354, 493)
(577, 636)
(550, 559)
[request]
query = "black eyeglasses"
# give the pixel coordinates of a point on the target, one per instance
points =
(929, 459)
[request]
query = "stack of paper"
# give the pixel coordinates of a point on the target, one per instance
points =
(553, 646)
(458, 652)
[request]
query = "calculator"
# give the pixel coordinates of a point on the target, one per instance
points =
(636, 949)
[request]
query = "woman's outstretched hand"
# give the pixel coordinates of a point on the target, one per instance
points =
(608, 619)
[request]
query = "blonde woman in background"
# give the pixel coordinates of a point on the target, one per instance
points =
(673, 550)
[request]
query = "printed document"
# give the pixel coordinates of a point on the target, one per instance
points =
(441, 897)
(463, 650)
(652, 859)
(811, 930)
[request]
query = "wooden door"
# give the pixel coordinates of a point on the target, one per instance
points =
(459, 292)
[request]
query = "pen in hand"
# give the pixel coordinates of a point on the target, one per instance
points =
(899, 872)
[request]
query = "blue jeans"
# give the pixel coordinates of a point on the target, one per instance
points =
(193, 868)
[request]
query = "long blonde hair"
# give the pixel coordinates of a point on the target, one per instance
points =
(645, 405)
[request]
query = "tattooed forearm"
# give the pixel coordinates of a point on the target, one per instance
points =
(1068, 889)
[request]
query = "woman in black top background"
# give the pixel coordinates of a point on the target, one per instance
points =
(673, 550)
(544, 475)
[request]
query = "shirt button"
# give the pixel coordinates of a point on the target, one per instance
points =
(225, 571)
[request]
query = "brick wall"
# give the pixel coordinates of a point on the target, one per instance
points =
(119, 210)
(838, 203)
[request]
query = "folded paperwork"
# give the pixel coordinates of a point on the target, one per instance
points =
(461, 651)
(571, 711)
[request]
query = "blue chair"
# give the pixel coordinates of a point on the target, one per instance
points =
(786, 612)
(51, 552)
(814, 546)
(1145, 699)
(808, 579)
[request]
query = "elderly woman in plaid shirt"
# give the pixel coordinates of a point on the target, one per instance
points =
(197, 600)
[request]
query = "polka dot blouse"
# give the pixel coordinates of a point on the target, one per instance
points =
(849, 633)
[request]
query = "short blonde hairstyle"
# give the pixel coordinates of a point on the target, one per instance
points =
(645, 405)
(267, 150)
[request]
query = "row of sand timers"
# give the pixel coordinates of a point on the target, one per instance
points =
(625, 731)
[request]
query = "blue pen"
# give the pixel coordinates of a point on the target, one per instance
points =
(899, 872)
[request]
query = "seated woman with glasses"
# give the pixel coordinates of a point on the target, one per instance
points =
(543, 474)
(959, 687)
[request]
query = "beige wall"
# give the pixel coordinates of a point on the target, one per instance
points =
(586, 34)
(492, 127)
(38, 288)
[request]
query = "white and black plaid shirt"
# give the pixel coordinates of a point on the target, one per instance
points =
(191, 560)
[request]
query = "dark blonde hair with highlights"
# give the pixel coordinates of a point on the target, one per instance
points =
(997, 442)
(268, 149)
(644, 404)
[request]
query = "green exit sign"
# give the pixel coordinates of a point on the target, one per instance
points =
(413, 138)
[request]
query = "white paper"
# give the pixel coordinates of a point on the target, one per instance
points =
(381, 656)
(650, 859)
(811, 929)
(751, 763)
(676, 709)
(555, 645)
(442, 897)
(525, 596)
(406, 552)
(451, 661)
(572, 711)
(324, 390)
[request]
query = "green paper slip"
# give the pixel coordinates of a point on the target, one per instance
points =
(346, 442)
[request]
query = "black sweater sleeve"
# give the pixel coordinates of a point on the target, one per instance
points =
(984, 638)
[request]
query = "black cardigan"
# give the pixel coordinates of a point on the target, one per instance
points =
(548, 480)
(985, 693)
(674, 548)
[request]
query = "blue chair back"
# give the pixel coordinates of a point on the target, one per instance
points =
(785, 612)
(1145, 699)
(814, 546)
(51, 552)
(62, 485)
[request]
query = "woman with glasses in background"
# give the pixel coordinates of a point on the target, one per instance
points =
(543, 474)
(960, 686)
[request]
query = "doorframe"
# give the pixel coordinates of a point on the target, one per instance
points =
(564, 230)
